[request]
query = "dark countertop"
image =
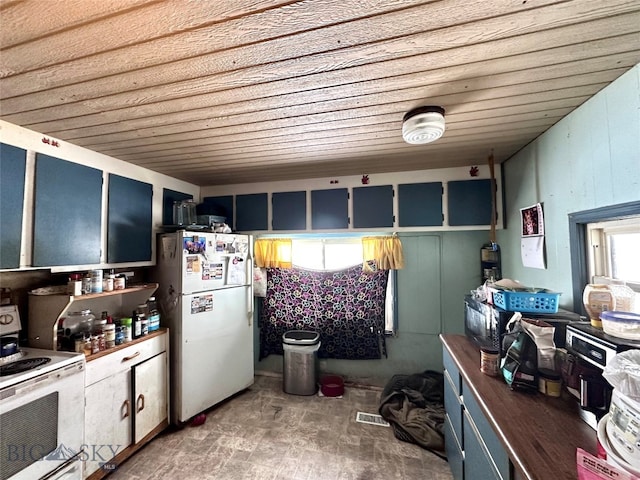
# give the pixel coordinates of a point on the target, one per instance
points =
(539, 433)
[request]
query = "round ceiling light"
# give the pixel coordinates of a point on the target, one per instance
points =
(423, 125)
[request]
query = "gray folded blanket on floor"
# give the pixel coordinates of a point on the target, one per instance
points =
(414, 406)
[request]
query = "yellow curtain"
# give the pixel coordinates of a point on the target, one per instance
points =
(386, 251)
(273, 252)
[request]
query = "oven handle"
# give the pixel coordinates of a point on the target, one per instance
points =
(140, 403)
(131, 357)
(125, 409)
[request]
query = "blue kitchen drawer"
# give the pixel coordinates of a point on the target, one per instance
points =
(454, 373)
(455, 455)
(453, 407)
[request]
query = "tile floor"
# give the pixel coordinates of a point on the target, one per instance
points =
(263, 433)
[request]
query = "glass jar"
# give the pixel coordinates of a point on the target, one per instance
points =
(597, 299)
(184, 212)
(109, 335)
(78, 322)
(489, 359)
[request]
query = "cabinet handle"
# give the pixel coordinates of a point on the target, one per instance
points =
(130, 357)
(140, 403)
(125, 409)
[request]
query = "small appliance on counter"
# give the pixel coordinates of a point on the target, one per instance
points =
(593, 349)
(486, 324)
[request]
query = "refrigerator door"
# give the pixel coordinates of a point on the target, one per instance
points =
(202, 267)
(214, 357)
(211, 261)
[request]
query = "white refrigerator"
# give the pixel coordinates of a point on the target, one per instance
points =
(206, 300)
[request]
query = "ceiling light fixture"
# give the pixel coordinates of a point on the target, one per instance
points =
(423, 125)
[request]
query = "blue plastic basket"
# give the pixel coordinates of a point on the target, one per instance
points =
(526, 302)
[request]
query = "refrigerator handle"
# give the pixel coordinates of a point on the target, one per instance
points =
(249, 305)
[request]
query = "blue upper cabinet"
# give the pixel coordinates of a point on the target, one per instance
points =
(221, 206)
(420, 205)
(373, 206)
(168, 197)
(252, 212)
(13, 162)
(67, 213)
(289, 210)
(469, 202)
(129, 232)
(329, 209)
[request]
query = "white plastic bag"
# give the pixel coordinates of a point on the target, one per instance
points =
(259, 282)
(542, 334)
(623, 373)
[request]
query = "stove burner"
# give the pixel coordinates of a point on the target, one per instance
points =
(20, 366)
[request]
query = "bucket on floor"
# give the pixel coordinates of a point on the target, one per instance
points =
(300, 362)
(331, 385)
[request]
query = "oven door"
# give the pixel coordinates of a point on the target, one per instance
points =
(42, 422)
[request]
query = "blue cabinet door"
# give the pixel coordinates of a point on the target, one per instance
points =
(168, 197)
(129, 232)
(420, 204)
(289, 210)
(455, 455)
(469, 202)
(329, 209)
(477, 458)
(221, 206)
(373, 206)
(251, 212)
(13, 162)
(67, 213)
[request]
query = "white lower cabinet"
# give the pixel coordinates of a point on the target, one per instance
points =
(150, 393)
(126, 402)
(107, 420)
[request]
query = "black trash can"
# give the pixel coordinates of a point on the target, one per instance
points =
(300, 362)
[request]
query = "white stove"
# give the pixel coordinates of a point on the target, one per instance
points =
(45, 390)
(35, 362)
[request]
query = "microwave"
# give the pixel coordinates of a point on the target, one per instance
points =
(486, 324)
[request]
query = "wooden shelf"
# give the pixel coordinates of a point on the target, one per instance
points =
(131, 289)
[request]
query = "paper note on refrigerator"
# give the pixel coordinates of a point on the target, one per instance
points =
(237, 271)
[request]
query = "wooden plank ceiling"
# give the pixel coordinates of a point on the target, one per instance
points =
(220, 92)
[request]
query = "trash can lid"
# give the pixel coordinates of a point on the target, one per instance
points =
(300, 337)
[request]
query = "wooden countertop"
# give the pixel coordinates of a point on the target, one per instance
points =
(539, 433)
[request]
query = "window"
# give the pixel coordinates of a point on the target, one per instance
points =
(602, 247)
(613, 252)
(337, 254)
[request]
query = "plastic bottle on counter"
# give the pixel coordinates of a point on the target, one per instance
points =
(74, 285)
(127, 329)
(95, 344)
(107, 283)
(119, 338)
(154, 314)
(137, 325)
(86, 283)
(109, 335)
(119, 283)
(143, 314)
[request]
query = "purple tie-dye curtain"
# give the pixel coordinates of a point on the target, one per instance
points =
(345, 307)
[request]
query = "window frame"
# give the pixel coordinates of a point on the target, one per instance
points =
(578, 232)
(599, 233)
